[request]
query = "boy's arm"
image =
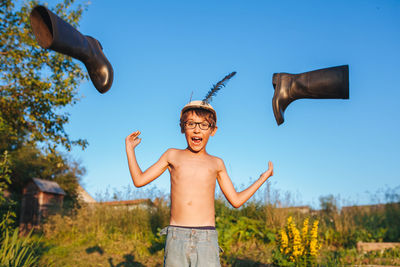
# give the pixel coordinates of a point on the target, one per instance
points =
(237, 199)
(140, 178)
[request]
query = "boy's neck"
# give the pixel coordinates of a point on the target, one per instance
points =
(197, 153)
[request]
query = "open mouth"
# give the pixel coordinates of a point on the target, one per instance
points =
(197, 140)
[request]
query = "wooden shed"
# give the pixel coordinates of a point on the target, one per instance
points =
(40, 199)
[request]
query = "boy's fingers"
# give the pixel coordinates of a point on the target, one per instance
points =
(134, 134)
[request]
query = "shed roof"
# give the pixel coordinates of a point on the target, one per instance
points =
(48, 186)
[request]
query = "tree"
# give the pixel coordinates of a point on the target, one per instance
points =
(7, 214)
(35, 84)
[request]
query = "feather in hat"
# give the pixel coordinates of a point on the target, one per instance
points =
(213, 91)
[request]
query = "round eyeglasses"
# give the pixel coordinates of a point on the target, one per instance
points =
(204, 125)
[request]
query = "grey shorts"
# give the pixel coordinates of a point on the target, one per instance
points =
(190, 247)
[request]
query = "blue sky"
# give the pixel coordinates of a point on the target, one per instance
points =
(161, 51)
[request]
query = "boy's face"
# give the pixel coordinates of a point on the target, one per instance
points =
(197, 138)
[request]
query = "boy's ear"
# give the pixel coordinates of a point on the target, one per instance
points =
(214, 130)
(182, 127)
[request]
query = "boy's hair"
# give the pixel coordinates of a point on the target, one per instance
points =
(206, 114)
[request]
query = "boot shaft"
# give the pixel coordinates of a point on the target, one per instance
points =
(54, 33)
(329, 83)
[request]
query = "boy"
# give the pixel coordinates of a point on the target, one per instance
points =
(191, 236)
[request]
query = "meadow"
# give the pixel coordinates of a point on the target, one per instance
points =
(257, 234)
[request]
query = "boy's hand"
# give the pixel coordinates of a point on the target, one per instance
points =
(133, 139)
(269, 172)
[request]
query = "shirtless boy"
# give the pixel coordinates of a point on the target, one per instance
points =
(191, 236)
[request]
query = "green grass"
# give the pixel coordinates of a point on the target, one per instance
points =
(102, 235)
(107, 236)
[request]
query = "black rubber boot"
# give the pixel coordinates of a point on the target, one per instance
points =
(54, 33)
(329, 83)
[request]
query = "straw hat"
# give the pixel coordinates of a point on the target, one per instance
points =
(199, 104)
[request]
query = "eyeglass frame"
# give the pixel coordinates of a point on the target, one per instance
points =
(210, 125)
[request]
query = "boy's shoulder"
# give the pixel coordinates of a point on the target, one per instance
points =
(173, 151)
(218, 161)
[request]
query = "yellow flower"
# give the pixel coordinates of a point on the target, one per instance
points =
(297, 246)
(304, 230)
(294, 238)
(314, 246)
(304, 236)
(284, 240)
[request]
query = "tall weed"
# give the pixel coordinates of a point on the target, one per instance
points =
(18, 251)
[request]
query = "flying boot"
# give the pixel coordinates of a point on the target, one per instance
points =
(329, 83)
(54, 33)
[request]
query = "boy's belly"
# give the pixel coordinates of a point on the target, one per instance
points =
(192, 211)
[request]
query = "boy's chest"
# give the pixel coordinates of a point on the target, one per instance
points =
(199, 169)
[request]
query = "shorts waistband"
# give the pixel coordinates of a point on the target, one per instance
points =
(195, 227)
(185, 231)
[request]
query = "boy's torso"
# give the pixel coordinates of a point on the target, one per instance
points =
(193, 179)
